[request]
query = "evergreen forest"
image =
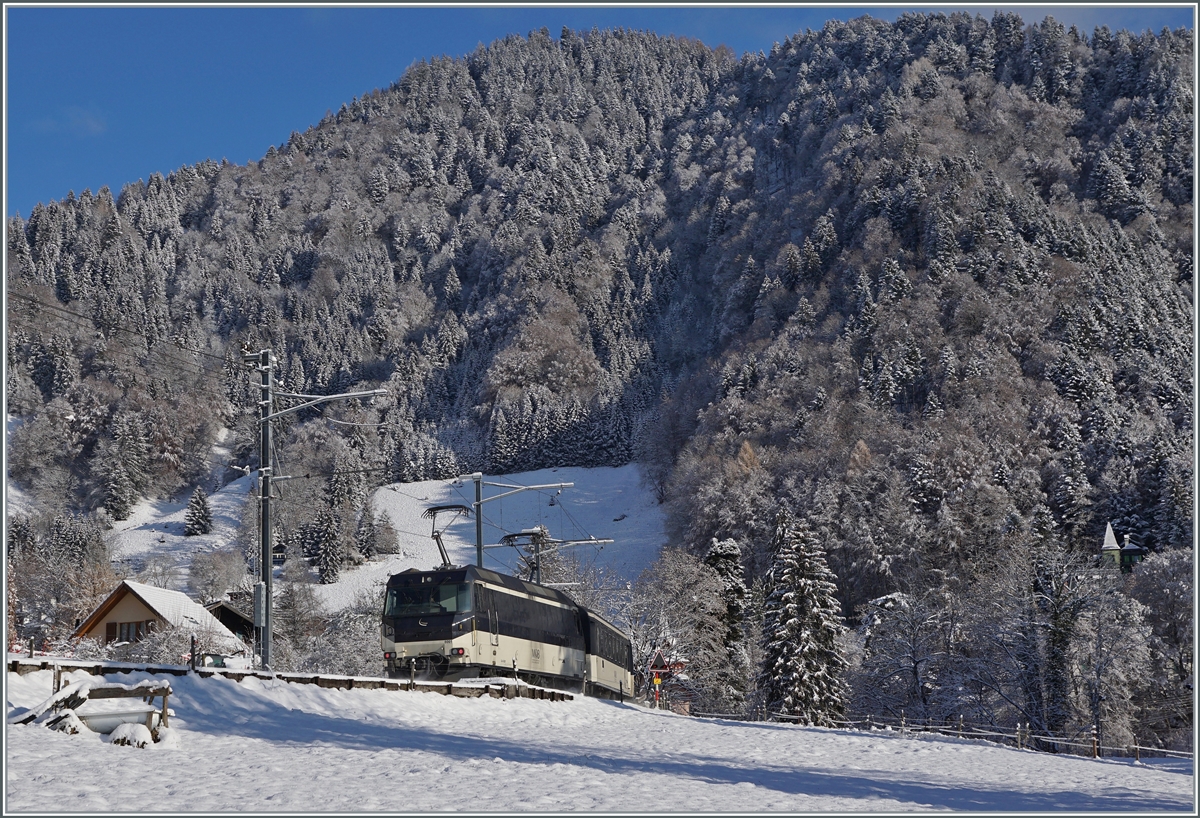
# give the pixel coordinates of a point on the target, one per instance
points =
(897, 318)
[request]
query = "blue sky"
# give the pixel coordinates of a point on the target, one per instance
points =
(109, 95)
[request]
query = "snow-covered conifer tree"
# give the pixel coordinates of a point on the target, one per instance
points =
(198, 518)
(366, 533)
(328, 546)
(802, 666)
(119, 494)
(725, 557)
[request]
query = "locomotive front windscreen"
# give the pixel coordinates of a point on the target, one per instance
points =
(428, 599)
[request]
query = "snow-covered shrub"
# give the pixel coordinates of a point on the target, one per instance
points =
(90, 648)
(131, 735)
(167, 737)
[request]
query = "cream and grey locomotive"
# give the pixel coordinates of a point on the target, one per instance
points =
(462, 622)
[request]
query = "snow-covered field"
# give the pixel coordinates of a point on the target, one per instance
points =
(267, 745)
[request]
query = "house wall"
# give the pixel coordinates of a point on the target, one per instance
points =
(129, 609)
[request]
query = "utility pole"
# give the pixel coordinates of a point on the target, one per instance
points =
(477, 506)
(266, 556)
(478, 478)
(265, 366)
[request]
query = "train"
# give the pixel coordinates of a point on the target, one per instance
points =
(463, 622)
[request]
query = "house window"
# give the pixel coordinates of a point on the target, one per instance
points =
(127, 631)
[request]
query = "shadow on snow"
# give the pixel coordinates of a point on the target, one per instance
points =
(264, 720)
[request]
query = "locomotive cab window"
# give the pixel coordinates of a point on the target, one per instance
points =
(428, 600)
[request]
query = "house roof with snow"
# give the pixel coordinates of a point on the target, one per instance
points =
(172, 608)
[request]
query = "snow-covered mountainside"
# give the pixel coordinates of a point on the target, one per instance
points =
(267, 745)
(155, 528)
(604, 503)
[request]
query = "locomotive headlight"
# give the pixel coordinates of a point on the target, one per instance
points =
(457, 651)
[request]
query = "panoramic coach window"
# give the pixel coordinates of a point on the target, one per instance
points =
(429, 600)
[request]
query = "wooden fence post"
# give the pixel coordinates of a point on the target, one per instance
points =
(1095, 743)
(960, 725)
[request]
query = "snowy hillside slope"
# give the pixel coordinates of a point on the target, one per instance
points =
(15, 500)
(605, 503)
(267, 745)
(155, 529)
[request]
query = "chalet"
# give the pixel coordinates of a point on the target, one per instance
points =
(133, 610)
(233, 618)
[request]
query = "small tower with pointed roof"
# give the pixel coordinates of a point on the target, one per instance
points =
(1110, 552)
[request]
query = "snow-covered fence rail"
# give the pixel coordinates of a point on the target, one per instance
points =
(62, 710)
(507, 689)
(1022, 737)
(76, 694)
(26, 665)
(498, 689)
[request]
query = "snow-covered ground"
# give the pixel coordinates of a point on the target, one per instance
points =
(270, 746)
(155, 529)
(267, 745)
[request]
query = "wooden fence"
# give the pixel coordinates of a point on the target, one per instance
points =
(1022, 737)
(505, 689)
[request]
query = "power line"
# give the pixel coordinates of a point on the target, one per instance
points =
(561, 502)
(406, 494)
(309, 475)
(299, 503)
(129, 355)
(562, 505)
(371, 425)
(161, 350)
(93, 324)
